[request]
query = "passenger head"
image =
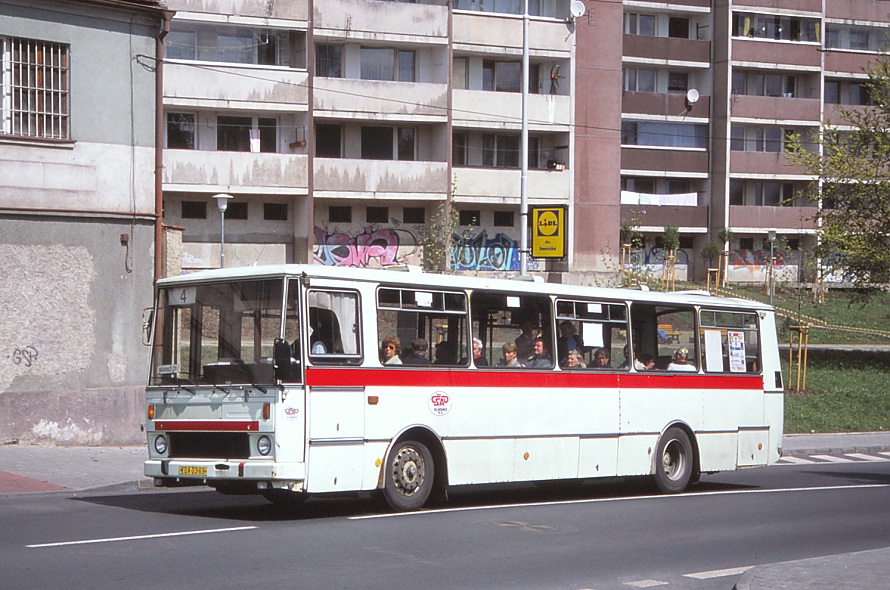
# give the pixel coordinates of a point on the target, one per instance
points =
(682, 354)
(540, 347)
(390, 346)
(573, 359)
(419, 345)
(602, 357)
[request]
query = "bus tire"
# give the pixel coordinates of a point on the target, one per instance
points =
(409, 476)
(673, 461)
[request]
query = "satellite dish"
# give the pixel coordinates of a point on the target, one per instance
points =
(577, 8)
(692, 96)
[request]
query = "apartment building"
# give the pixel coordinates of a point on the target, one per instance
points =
(77, 216)
(344, 130)
(711, 95)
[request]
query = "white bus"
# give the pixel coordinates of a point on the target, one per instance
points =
(275, 380)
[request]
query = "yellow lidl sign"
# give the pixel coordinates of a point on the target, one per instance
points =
(548, 232)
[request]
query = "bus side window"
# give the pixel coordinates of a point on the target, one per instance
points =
(333, 327)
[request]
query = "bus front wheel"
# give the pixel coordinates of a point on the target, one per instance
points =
(673, 461)
(409, 476)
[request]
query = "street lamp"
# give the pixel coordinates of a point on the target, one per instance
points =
(222, 202)
(772, 264)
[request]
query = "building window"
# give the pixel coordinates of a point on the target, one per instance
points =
(459, 73)
(678, 27)
(677, 187)
(340, 214)
(329, 61)
(236, 210)
(500, 151)
(746, 243)
(194, 210)
(180, 131)
(415, 215)
(775, 27)
(377, 214)
(758, 139)
(459, 149)
(686, 242)
(736, 192)
(34, 88)
(638, 185)
(469, 217)
(678, 82)
(188, 40)
(506, 76)
(275, 211)
(246, 134)
(639, 80)
(328, 140)
(832, 92)
(664, 134)
(383, 63)
(503, 218)
(378, 143)
(639, 24)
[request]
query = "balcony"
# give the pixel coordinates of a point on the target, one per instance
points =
(781, 218)
(380, 101)
(292, 10)
(390, 22)
(501, 34)
(847, 62)
(660, 216)
(782, 55)
(502, 185)
(670, 104)
(380, 179)
(503, 110)
(679, 50)
(852, 10)
(235, 172)
(764, 163)
(664, 160)
(223, 86)
(774, 108)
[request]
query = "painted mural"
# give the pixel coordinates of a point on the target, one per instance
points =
(378, 246)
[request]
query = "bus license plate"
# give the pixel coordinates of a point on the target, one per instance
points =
(191, 470)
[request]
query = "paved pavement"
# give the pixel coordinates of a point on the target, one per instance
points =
(30, 469)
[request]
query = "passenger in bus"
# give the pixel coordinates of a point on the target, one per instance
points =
(626, 363)
(478, 357)
(568, 339)
(574, 361)
(389, 350)
(417, 356)
(681, 361)
(644, 362)
(510, 359)
(446, 353)
(525, 342)
(541, 358)
(602, 359)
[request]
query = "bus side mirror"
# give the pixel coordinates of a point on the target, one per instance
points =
(281, 357)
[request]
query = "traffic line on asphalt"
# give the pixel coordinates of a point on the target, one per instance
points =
(646, 583)
(140, 537)
(832, 459)
(734, 571)
(662, 497)
(794, 461)
(864, 457)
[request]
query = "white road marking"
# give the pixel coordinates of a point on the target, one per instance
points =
(833, 459)
(794, 461)
(865, 457)
(646, 583)
(735, 571)
(622, 499)
(139, 537)
(885, 453)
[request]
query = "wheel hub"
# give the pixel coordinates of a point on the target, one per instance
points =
(408, 471)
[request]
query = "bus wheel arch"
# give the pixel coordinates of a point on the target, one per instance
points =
(676, 459)
(414, 470)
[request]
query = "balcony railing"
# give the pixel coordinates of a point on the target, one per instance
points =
(235, 172)
(373, 99)
(221, 86)
(380, 178)
(546, 112)
(359, 19)
(500, 185)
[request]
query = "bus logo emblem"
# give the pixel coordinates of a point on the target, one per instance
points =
(440, 403)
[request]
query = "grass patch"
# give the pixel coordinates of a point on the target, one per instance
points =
(845, 395)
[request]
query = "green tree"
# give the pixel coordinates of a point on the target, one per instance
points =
(852, 189)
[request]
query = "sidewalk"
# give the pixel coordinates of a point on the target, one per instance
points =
(26, 469)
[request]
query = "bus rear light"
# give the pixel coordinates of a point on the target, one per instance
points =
(267, 411)
(151, 411)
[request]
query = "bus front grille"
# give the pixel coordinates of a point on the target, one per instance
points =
(209, 445)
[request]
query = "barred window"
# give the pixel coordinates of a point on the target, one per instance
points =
(34, 88)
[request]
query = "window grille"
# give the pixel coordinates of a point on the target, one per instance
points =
(34, 88)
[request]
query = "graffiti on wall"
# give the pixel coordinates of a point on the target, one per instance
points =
(375, 246)
(754, 259)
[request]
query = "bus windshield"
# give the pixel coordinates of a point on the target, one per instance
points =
(220, 333)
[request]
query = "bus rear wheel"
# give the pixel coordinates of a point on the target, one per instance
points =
(409, 476)
(673, 462)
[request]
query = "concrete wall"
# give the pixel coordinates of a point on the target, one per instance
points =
(72, 365)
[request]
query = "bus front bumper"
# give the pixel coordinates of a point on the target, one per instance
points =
(267, 474)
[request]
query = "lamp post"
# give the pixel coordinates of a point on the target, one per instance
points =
(772, 264)
(222, 203)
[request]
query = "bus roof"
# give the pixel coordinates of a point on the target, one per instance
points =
(414, 277)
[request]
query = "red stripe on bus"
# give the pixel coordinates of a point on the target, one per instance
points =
(432, 377)
(214, 425)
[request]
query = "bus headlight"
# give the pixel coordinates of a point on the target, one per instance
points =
(161, 445)
(264, 445)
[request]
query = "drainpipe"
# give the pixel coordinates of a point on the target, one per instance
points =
(166, 16)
